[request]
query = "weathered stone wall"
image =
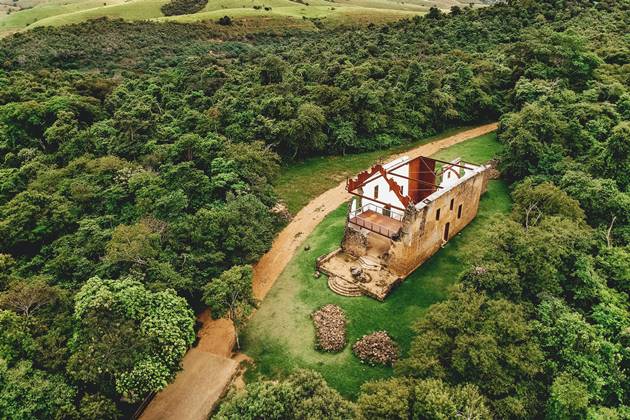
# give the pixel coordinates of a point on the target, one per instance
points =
(422, 233)
(354, 242)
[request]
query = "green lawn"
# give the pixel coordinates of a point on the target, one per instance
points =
(43, 10)
(478, 150)
(280, 336)
(302, 181)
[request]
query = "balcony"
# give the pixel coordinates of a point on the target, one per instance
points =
(377, 219)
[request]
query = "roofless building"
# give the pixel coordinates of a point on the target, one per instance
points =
(400, 215)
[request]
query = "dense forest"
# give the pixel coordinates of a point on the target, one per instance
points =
(137, 163)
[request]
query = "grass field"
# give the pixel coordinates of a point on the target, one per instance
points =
(300, 182)
(36, 13)
(280, 337)
(40, 12)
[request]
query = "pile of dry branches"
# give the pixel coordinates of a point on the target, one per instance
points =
(377, 348)
(330, 328)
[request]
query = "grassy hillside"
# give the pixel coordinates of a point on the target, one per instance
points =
(26, 14)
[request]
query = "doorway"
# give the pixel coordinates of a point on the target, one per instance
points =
(446, 227)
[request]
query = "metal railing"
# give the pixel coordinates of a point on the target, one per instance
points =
(376, 228)
(354, 217)
(393, 214)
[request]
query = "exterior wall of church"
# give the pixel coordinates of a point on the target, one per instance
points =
(429, 227)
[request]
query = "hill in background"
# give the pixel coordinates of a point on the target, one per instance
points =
(19, 15)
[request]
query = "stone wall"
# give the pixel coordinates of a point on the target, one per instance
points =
(354, 242)
(423, 234)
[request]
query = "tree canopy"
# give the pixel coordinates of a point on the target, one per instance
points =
(145, 154)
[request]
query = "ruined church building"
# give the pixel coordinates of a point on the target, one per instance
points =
(400, 215)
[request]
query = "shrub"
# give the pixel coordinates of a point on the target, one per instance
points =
(225, 21)
(303, 395)
(183, 7)
(330, 328)
(377, 348)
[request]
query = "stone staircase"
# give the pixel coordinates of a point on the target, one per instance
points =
(343, 287)
(368, 263)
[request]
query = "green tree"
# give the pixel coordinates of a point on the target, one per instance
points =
(304, 133)
(520, 264)
(581, 353)
(27, 393)
(31, 219)
(436, 400)
(471, 339)
(98, 407)
(602, 202)
(132, 244)
(271, 70)
(230, 295)
(531, 202)
(547, 54)
(237, 232)
(616, 156)
(569, 398)
(28, 296)
(316, 400)
(533, 139)
(128, 336)
(303, 395)
(6, 263)
(386, 399)
(16, 341)
(434, 13)
(404, 398)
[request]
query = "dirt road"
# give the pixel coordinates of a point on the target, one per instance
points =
(293, 235)
(202, 382)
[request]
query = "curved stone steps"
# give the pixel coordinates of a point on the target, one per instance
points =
(343, 287)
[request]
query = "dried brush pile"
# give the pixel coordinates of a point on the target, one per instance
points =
(377, 348)
(330, 328)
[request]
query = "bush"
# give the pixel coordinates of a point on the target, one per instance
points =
(226, 20)
(183, 7)
(303, 395)
(330, 328)
(377, 348)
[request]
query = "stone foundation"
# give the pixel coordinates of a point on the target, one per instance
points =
(339, 264)
(354, 242)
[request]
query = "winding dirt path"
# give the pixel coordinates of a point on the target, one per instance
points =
(267, 270)
(210, 367)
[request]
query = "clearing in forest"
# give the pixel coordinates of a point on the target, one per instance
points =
(280, 336)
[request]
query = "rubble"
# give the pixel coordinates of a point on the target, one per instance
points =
(377, 348)
(330, 328)
(493, 172)
(360, 275)
(281, 210)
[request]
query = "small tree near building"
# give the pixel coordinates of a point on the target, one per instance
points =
(230, 295)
